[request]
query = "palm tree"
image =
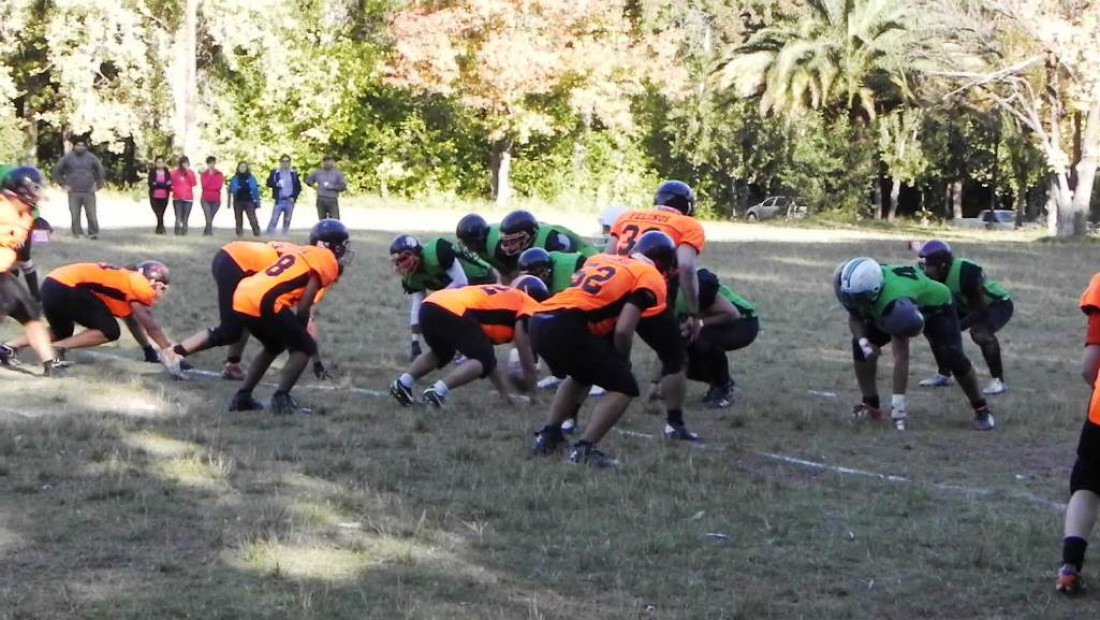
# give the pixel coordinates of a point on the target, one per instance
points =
(843, 56)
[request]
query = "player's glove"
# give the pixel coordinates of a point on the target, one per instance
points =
(414, 350)
(151, 354)
(320, 371)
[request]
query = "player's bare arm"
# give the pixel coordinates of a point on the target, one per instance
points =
(526, 357)
(305, 306)
(720, 312)
(1090, 365)
(689, 284)
(145, 321)
(625, 327)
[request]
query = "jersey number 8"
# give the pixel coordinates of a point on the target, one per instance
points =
(286, 261)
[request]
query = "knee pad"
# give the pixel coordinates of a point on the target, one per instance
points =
(224, 334)
(672, 362)
(1085, 476)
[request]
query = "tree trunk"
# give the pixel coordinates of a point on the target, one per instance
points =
(30, 135)
(184, 82)
(895, 192)
(1021, 206)
(957, 200)
(1086, 170)
(502, 171)
(878, 197)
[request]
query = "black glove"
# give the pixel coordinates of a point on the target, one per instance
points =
(151, 354)
(320, 371)
(414, 350)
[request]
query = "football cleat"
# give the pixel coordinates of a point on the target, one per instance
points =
(863, 410)
(569, 426)
(8, 356)
(996, 387)
(719, 397)
(680, 432)
(243, 401)
(284, 404)
(983, 419)
(1069, 581)
(549, 383)
(433, 398)
(233, 371)
(401, 394)
(937, 381)
(584, 453)
(596, 391)
(901, 423)
(548, 439)
(51, 368)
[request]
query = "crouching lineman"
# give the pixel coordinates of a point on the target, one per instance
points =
(94, 296)
(470, 321)
(673, 214)
(984, 308)
(20, 190)
(729, 323)
(891, 304)
(275, 306)
(585, 334)
(433, 266)
(1084, 482)
(501, 245)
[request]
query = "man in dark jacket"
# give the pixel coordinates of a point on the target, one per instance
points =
(285, 188)
(80, 174)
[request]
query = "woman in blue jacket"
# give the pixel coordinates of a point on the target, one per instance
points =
(244, 197)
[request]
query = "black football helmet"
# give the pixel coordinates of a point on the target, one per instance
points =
(659, 248)
(677, 195)
(331, 234)
(536, 262)
(405, 253)
(25, 182)
(533, 286)
(472, 231)
(154, 271)
(517, 232)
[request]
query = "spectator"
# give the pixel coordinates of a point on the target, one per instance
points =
(160, 186)
(285, 188)
(183, 193)
(244, 197)
(329, 182)
(80, 174)
(212, 183)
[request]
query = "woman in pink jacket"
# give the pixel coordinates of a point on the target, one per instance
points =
(183, 193)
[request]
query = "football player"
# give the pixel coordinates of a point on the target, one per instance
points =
(984, 308)
(276, 305)
(95, 296)
(26, 264)
(20, 191)
(501, 245)
(891, 304)
(234, 262)
(607, 222)
(433, 266)
(729, 323)
(471, 320)
(555, 269)
(1084, 481)
(585, 333)
(674, 207)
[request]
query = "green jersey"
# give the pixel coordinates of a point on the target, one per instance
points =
(907, 282)
(437, 258)
(710, 288)
(562, 267)
(549, 237)
(966, 280)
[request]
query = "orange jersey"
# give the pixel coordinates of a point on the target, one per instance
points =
(1090, 304)
(117, 288)
(282, 284)
(684, 229)
(495, 308)
(253, 256)
(15, 226)
(604, 285)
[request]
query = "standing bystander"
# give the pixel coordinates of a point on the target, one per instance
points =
(160, 187)
(212, 182)
(183, 193)
(329, 182)
(285, 187)
(80, 174)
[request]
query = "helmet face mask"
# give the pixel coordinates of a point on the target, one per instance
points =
(26, 183)
(536, 262)
(515, 243)
(156, 273)
(473, 231)
(405, 263)
(517, 232)
(935, 259)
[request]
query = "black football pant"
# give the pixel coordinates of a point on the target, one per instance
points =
(707, 360)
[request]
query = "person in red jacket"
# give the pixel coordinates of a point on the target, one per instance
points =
(212, 181)
(183, 193)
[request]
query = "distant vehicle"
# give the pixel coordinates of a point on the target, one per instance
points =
(990, 219)
(772, 207)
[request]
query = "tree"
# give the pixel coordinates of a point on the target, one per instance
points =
(901, 151)
(1046, 69)
(515, 61)
(854, 56)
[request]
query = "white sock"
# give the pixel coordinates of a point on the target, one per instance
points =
(440, 388)
(406, 380)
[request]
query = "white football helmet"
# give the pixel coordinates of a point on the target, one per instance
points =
(607, 221)
(860, 280)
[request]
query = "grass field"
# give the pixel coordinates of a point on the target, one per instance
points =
(125, 494)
